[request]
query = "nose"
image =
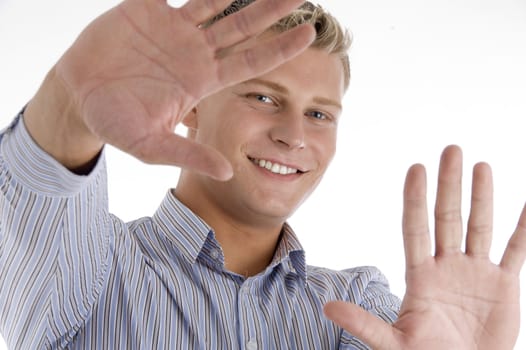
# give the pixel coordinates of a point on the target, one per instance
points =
(289, 131)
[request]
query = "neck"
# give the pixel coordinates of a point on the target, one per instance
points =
(246, 252)
(248, 248)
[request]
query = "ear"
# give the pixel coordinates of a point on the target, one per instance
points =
(190, 120)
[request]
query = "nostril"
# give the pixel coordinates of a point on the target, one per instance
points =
(292, 143)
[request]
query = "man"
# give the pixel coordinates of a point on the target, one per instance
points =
(217, 266)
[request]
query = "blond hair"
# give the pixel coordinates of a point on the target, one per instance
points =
(330, 35)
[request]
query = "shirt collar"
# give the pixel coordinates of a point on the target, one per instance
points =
(186, 231)
(192, 237)
(289, 251)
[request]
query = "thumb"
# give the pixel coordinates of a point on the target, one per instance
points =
(172, 149)
(361, 324)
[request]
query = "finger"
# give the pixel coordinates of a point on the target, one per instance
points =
(252, 20)
(515, 253)
(257, 60)
(173, 149)
(370, 329)
(415, 220)
(199, 11)
(480, 222)
(448, 219)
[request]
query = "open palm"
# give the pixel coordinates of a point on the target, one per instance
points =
(138, 69)
(455, 299)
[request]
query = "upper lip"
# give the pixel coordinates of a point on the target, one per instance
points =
(288, 164)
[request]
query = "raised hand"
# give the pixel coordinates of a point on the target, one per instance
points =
(455, 299)
(138, 69)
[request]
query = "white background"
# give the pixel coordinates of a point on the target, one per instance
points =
(425, 74)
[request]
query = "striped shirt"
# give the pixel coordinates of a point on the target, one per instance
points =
(73, 276)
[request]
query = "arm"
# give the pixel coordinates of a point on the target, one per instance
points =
(455, 299)
(128, 79)
(55, 233)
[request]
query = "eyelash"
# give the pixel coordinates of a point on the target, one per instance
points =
(258, 97)
(325, 116)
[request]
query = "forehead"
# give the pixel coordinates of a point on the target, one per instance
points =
(313, 72)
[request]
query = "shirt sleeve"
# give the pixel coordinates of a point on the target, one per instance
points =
(376, 298)
(55, 243)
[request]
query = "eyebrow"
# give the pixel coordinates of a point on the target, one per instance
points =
(282, 89)
(270, 84)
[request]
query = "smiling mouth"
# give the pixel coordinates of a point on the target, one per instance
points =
(275, 168)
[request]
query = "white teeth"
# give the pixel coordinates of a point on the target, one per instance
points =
(275, 167)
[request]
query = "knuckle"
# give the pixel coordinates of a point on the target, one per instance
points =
(449, 215)
(412, 228)
(479, 228)
(242, 23)
(185, 14)
(210, 37)
(212, 6)
(250, 58)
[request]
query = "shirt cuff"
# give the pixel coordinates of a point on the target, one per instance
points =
(36, 169)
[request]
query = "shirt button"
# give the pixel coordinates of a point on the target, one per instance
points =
(252, 345)
(214, 253)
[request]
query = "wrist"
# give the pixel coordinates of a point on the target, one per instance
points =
(53, 119)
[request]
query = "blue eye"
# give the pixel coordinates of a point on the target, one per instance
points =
(318, 115)
(263, 98)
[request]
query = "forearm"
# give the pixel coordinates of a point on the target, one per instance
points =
(55, 233)
(53, 119)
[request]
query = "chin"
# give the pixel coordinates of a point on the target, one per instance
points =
(275, 210)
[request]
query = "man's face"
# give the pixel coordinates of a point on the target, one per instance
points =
(279, 133)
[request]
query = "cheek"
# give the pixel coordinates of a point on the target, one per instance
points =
(324, 147)
(227, 135)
